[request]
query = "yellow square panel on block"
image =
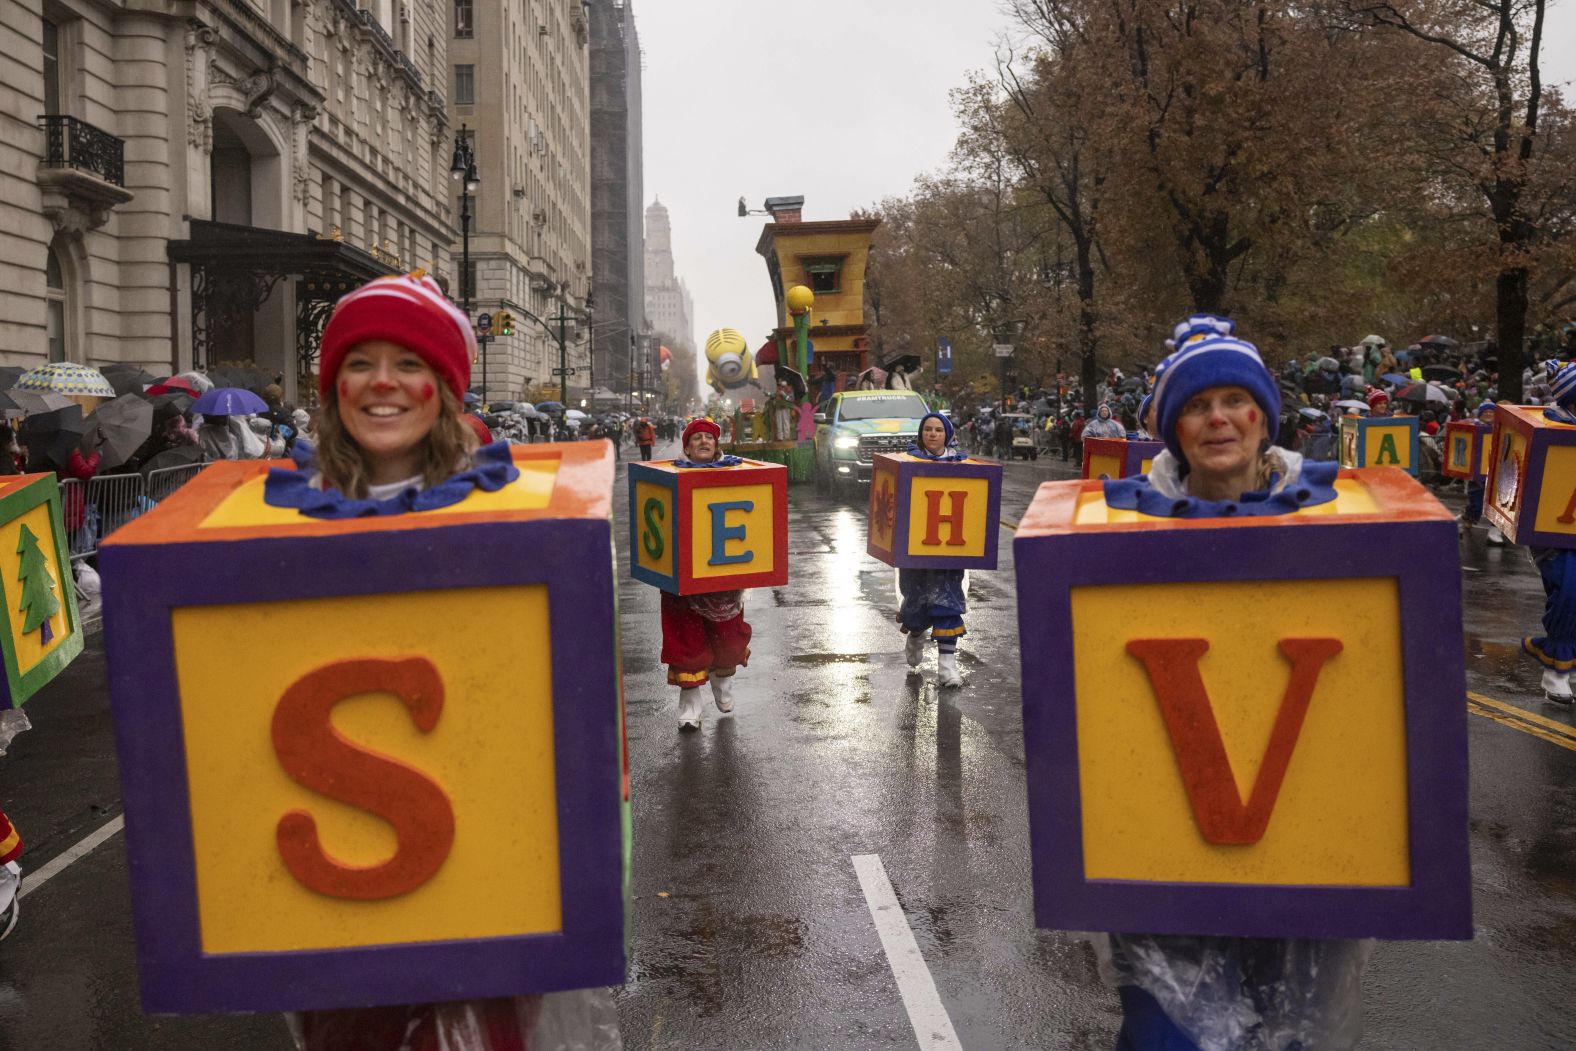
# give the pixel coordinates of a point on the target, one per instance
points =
(958, 510)
(489, 753)
(654, 549)
(1556, 512)
(1340, 815)
(30, 647)
(1387, 446)
(731, 531)
(532, 491)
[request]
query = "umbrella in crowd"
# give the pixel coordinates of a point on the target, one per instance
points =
(51, 437)
(229, 401)
(127, 378)
(1396, 377)
(1422, 392)
(181, 384)
(784, 374)
(1441, 372)
(550, 406)
(1352, 403)
(1444, 342)
(574, 414)
(9, 374)
(118, 428)
(28, 402)
(180, 456)
(66, 377)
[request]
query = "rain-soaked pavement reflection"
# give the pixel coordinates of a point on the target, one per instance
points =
(749, 927)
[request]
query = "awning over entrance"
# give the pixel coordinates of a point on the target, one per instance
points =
(235, 269)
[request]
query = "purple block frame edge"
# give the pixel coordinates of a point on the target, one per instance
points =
(571, 558)
(1438, 903)
(913, 468)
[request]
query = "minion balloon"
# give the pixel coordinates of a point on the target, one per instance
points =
(730, 363)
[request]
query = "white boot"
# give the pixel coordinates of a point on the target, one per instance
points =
(689, 708)
(722, 692)
(1557, 686)
(947, 670)
(1496, 538)
(10, 906)
(914, 650)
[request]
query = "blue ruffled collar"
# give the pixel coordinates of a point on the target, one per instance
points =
(1314, 484)
(492, 468)
(726, 460)
(1559, 415)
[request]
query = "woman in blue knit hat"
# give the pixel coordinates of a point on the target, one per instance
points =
(1215, 403)
(1555, 649)
(932, 599)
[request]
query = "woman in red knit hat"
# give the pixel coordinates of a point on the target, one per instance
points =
(391, 438)
(704, 637)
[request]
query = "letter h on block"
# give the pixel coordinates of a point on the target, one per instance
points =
(374, 760)
(1241, 745)
(1530, 494)
(928, 514)
(699, 529)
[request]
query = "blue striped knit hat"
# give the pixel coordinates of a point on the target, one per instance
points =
(1562, 382)
(1220, 360)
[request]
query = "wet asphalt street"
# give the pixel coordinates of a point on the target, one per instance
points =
(750, 927)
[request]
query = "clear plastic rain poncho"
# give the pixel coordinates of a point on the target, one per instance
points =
(578, 1020)
(1247, 994)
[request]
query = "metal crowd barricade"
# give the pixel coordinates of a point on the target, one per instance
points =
(96, 508)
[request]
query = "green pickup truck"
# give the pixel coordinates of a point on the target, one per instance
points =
(851, 427)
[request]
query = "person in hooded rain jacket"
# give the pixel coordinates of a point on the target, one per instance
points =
(933, 599)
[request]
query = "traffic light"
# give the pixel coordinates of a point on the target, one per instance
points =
(505, 323)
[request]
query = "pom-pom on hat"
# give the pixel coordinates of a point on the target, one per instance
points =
(1200, 326)
(1217, 361)
(700, 425)
(410, 310)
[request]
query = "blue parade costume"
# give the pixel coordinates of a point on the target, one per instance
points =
(1556, 648)
(933, 599)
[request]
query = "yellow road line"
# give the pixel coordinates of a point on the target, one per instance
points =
(1010, 524)
(1562, 729)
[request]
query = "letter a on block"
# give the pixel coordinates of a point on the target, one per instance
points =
(1387, 445)
(1173, 670)
(317, 756)
(954, 518)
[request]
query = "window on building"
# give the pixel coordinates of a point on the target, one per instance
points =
(51, 67)
(55, 307)
(464, 25)
(465, 85)
(824, 275)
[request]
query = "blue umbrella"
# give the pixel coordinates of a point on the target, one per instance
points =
(229, 401)
(549, 406)
(1396, 377)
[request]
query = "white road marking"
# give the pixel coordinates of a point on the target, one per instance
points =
(31, 881)
(932, 1026)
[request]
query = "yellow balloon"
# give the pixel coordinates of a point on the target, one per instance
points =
(800, 299)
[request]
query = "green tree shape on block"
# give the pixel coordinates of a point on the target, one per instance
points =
(39, 601)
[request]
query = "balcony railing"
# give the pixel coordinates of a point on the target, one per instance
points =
(73, 143)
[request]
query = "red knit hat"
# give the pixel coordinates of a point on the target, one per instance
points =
(700, 425)
(409, 310)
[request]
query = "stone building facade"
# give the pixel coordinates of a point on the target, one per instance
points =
(521, 82)
(194, 184)
(617, 191)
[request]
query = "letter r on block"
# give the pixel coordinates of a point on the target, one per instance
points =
(954, 518)
(721, 533)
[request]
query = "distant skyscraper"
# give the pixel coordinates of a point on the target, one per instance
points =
(667, 298)
(617, 191)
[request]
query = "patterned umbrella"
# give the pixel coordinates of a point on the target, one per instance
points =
(66, 377)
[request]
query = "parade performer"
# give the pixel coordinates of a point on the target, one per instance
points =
(1214, 401)
(933, 599)
(705, 638)
(1556, 648)
(395, 363)
(1475, 486)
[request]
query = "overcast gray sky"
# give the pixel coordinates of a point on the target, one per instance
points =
(845, 104)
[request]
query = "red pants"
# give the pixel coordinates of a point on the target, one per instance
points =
(10, 840)
(694, 647)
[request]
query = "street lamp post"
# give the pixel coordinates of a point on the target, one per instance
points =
(462, 168)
